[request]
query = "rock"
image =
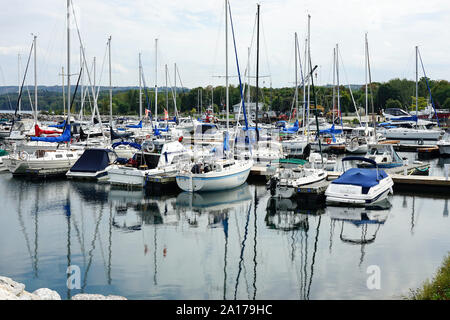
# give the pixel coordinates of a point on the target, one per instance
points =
(10, 285)
(47, 294)
(25, 295)
(6, 294)
(84, 296)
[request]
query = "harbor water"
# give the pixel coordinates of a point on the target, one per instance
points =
(239, 244)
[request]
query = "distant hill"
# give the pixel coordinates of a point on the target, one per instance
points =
(13, 89)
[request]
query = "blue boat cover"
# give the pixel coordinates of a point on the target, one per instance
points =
(138, 126)
(125, 143)
(92, 160)
(65, 137)
(292, 129)
(366, 178)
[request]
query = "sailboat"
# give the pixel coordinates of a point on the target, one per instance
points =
(417, 132)
(224, 173)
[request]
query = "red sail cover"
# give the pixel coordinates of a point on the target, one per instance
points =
(38, 131)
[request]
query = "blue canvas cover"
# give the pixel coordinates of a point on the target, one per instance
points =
(137, 126)
(58, 125)
(92, 160)
(65, 137)
(366, 178)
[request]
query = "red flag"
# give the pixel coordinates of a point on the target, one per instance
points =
(146, 112)
(166, 115)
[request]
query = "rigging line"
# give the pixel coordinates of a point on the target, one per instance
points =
(428, 86)
(266, 52)
(24, 77)
(349, 87)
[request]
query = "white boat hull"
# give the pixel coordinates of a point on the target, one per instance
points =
(343, 194)
(215, 181)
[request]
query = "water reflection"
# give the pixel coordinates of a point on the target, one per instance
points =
(241, 244)
(359, 226)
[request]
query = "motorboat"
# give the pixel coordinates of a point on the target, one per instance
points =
(156, 157)
(285, 181)
(358, 142)
(324, 161)
(93, 164)
(384, 155)
(359, 186)
(419, 133)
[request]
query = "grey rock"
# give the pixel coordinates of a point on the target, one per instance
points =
(6, 294)
(47, 294)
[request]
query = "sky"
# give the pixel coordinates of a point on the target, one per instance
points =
(191, 33)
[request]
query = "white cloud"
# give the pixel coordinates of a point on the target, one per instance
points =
(188, 34)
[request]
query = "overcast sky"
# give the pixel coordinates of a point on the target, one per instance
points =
(192, 34)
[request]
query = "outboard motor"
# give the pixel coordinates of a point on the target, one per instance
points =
(272, 185)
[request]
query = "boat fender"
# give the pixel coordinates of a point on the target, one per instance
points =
(328, 141)
(23, 155)
(149, 147)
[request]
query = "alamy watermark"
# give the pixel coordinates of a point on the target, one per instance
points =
(373, 282)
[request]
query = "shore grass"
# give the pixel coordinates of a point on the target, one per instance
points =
(438, 288)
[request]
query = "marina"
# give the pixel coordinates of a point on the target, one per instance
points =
(234, 190)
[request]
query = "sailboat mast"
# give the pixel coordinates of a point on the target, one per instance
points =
(63, 92)
(309, 70)
(227, 99)
(35, 81)
(334, 84)
(156, 79)
(68, 61)
(257, 75)
(338, 84)
(417, 86)
(175, 85)
(167, 93)
(296, 81)
(140, 87)
(18, 78)
(248, 77)
(82, 83)
(110, 84)
(365, 74)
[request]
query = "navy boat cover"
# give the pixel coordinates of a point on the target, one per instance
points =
(366, 178)
(92, 160)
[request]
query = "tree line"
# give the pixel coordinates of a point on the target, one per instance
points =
(398, 93)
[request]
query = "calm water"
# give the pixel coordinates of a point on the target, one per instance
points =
(240, 244)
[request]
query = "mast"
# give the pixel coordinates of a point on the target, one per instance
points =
(110, 84)
(175, 85)
(309, 71)
(334, 83)
(18, 78)
(304, 90)
(82, 83)
(68, 61)
(417, 86)
(227, 99)
(338, 84)
(35, 82)
(64, 95)
(156, 80)
(140, 87)
(167, 94)
(365, 73)
(296, 80)
(248, 76)
(257, 75)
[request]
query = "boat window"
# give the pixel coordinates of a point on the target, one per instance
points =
(58, 156)
(69, 155)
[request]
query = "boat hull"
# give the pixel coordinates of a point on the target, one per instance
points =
(214, 181)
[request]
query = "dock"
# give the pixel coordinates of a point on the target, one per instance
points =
(162, 184)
